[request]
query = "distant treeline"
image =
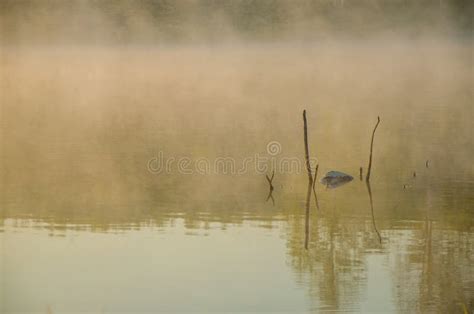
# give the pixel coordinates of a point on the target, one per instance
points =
(214, 20)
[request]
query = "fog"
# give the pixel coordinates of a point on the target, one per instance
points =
(91, 90)
(148, 22)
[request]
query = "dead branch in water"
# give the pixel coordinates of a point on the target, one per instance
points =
(310, 180)
(367, 178)
(270, 192)
(306, 149)
(360, 173)
(270, 180)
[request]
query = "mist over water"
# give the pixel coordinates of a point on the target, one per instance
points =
(123, 22)
(91, 91)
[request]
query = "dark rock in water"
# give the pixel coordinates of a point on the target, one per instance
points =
(334, 179)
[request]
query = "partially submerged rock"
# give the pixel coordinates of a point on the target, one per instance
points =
(334, 179)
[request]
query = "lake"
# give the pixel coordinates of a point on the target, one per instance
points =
(134, 178)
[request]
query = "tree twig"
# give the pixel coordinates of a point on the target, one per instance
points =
(310, 180)
(270, 192)
(306, 149)
(270, 180)
(369, 168)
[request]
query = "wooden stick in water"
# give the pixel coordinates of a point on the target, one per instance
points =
(306, 149)
(367, 178)
(270, 192)
(270, 180)
(310, 180)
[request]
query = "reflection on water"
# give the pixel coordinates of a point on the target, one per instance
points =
(349, 264)
(369, 190)
(81, 212)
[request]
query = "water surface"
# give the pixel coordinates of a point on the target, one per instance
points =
(86, 226)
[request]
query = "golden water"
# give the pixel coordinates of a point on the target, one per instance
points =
(87, 227)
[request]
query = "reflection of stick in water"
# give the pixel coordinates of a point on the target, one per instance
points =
(270, 196)
(306, 225)
(372, 210)
(270, 182)
(367, 178)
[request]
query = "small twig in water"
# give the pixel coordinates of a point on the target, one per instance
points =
(369, 168)
(306, 149)
(270, 192)
(270, 180)
(310, 180)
